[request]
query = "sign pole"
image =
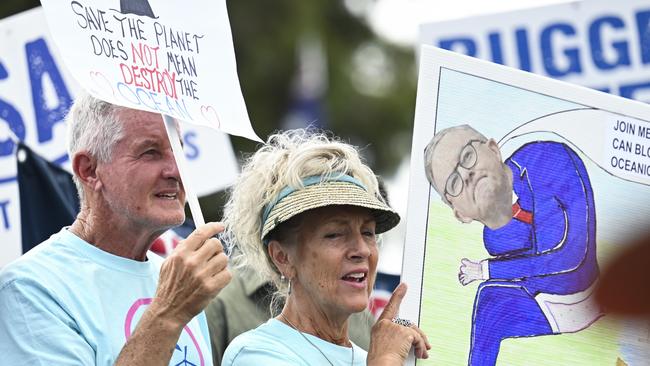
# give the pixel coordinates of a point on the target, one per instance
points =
(177, 149)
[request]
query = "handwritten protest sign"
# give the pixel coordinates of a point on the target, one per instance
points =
(35, 94)
(153, 55)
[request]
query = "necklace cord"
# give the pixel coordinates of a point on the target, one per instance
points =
(310, 342)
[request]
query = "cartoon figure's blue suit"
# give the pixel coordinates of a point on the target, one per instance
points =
(548, 247)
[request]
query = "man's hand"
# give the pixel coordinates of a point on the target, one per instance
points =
(390, 343)
(470, 271)
(189, 278)
(192, 275)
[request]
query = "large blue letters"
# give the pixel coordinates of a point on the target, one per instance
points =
(495, 47)
(631, 90)
(13, 119)
(191, 149)
(643, 26)
(5, 214)
(467, 43)
(596, 41)
(523, 50)
(572, 54)
(41, 63)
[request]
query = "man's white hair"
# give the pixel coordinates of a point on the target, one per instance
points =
(284, 160)
(430, 153)
(93, 126)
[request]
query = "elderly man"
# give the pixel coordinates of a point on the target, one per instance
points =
(92, 294)
(540, 229)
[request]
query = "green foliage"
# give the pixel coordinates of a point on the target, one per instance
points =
(10, 7)
(266, 35)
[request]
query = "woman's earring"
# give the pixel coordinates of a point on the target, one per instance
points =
(282, 279)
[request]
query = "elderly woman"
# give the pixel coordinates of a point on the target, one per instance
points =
(305, 213)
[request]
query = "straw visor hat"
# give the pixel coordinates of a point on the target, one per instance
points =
(321, 191)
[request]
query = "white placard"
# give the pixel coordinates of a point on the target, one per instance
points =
(159, 56)
(35, 94)
(593, 43)
(579, 161)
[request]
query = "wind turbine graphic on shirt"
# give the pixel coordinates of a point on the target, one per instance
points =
(185, 362)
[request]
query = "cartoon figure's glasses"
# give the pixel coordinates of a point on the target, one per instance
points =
(467, 160)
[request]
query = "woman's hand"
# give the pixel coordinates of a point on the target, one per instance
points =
(390, 343)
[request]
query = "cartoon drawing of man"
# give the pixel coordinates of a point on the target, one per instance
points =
(540, 229)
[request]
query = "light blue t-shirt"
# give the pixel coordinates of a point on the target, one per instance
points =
(67, 302)
(275, 343)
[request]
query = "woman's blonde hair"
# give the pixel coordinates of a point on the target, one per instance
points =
(285, 159)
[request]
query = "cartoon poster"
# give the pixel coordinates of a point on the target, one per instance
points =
(532, 186)
(160, 56)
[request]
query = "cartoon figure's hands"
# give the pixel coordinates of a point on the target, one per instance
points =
(470, 271)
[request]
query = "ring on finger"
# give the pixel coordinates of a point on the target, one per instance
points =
(403, 322)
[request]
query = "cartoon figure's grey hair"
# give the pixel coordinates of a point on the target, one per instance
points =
(430, 150)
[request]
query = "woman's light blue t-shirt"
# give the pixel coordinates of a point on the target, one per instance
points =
(275, 343)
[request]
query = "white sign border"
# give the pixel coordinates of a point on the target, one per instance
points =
(432, 60)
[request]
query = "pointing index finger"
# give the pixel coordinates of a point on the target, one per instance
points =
(392, 308)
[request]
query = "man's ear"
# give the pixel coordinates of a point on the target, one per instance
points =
(280, 257)
(461, 218)
(492, 145)
(84, 167)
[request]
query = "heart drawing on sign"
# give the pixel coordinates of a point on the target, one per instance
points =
(101, 82)
(210, 115)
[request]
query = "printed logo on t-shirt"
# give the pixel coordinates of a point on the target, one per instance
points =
(187, 351)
